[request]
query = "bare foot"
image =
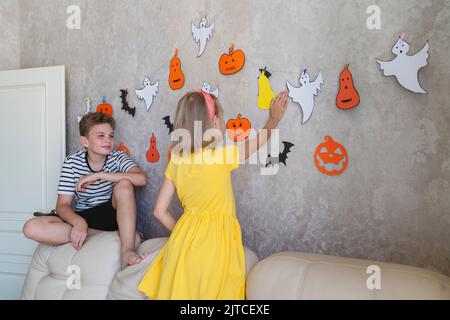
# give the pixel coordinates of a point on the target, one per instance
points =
(130, 258)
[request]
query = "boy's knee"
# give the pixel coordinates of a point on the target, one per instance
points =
(31, 228)
(123, 185)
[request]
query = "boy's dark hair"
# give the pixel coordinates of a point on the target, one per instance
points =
(93, 118)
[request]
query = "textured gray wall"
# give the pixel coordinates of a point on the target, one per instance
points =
(392, 203)
(9, 35)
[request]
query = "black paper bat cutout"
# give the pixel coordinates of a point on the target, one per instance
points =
(125, 105)
(282, 156)
(168, 123)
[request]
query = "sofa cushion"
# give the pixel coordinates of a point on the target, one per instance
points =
(52, 266)
(124, 286)
(296, 275)
(98, 263)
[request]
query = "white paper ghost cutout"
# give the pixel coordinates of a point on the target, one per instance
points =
(304, 95)
(404, 67)
(206, 87)
(201, 34)
(88, 103)
(148, 92)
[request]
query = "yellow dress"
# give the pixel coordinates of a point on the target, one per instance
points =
(204, 256)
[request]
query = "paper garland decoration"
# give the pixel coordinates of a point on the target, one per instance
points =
(152, 153)
(202, 34)
(348, 96)
(304, 95)
(238, 129)
(330, 157)
(88, 104)
(271, 161)
(405, 67)
(148, 93)
(125, 106)
(176, 75)
(232, 62)
(105, 107)
(265, 92)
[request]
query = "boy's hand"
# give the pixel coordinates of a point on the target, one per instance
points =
(78, 234)
(85, 181)
(278, 108)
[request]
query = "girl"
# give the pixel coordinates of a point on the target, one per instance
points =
(204, 256)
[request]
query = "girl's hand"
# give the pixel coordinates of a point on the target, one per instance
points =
(278, 107)
(85, 181)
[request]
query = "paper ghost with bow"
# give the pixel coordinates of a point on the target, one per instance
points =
(304, 95)
(201, 34)
(206, 87)
(148, 93)
(405, 67)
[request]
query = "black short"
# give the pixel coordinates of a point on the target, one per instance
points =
(102, 217)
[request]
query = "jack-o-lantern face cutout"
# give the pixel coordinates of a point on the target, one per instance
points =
(347, 97)
(176, 76)
(238, 129)
(105, 108)
(232, 62)
(331, 157)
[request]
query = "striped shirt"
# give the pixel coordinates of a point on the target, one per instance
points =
(76, 166)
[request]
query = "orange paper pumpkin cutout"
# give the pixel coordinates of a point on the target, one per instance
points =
(105, 108)
(331, 157)
(176, 76)
(238, 129)
(232, 62)
(348, 97)
(123, 147)
(152, 153)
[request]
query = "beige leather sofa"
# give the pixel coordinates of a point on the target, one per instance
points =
(55, 271)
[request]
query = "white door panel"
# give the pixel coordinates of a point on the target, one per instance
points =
(32, 140)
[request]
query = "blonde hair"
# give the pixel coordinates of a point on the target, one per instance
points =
(191, 108)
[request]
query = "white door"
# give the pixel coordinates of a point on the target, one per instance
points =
(32, 142)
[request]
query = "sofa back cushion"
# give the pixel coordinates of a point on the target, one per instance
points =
(296, 275)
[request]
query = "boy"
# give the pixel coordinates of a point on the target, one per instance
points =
(102, 181)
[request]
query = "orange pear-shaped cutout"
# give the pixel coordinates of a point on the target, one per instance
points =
(348, 96)
(176, 75)
(152, 153)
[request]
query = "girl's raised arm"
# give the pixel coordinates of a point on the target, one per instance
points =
(277, 109)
